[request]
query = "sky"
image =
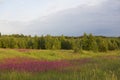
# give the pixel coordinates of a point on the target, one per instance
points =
(57, 17)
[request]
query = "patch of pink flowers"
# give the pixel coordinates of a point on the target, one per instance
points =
(31, 65)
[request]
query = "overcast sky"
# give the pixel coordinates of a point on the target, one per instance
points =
(57, 17)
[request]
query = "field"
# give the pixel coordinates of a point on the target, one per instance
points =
(28, 64)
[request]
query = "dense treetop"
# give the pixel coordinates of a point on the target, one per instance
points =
(85, 42)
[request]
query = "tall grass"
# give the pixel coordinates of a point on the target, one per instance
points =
(51, 54)
(59, 65)
(99, 68)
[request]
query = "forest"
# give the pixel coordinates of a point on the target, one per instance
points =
(87, 42)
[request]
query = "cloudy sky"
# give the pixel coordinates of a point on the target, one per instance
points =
(57, 17)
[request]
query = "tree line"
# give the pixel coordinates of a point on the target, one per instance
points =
(85, 42)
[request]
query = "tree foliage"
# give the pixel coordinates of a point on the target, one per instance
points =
(85, 42)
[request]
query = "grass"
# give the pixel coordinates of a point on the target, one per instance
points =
(85, 66)
(52, 54)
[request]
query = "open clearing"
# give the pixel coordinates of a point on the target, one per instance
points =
(28, 64)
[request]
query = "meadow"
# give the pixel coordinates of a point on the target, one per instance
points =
(28, 64)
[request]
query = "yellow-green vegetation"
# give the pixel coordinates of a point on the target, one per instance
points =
(86, 65)
(87, 42)
(52, 54)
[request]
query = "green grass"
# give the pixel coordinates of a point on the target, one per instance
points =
(102, 66)
(52, 54)
(98, 69)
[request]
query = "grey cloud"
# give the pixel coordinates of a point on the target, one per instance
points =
(101, 20)
(1, 1)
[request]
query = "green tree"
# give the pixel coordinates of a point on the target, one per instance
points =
(56, 44)
(41, 42)
(85, 42)
(92, 44)
(78, 46)
(102, 45)
(12, 42)
(112, 45)
(66, 44)
(35, 42)
(48, 42)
